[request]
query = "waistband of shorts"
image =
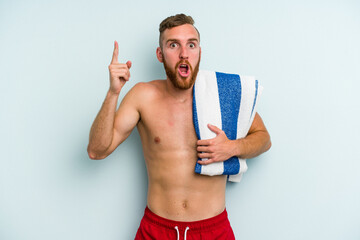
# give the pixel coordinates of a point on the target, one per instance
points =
(200, 225)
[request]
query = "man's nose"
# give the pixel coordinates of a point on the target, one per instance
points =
(184, 53)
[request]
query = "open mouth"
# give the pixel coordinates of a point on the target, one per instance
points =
(184, 70)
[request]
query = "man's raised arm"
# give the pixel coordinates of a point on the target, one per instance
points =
(111, 127)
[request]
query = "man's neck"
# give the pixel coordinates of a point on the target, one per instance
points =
(179, 95)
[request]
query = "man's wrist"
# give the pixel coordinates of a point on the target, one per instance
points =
(112, 94)
(236, 147)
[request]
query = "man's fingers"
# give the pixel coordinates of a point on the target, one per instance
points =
(121, 73)
(205, 142)
(202, 149)
(214, 129)
(115, 53)
(128, 63)
(205, 162)
(118, 66)
(204, 155)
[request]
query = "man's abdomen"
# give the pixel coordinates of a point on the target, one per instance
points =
(186, 196)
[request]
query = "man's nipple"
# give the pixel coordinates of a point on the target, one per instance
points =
(157, 140)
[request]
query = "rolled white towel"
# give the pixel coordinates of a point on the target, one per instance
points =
(229, 102)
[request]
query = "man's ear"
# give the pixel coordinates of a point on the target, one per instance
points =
(159, 55)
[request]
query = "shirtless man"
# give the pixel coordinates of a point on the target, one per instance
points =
(162, 112)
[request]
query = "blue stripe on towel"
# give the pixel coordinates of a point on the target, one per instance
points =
(256, 93)
(196, 125)
(229, 88)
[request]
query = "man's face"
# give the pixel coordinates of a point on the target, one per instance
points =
(180, 55)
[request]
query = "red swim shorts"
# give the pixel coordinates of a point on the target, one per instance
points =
(153, 227)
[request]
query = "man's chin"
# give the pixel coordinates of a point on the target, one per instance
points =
(183, 83)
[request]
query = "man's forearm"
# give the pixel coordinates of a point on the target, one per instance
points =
(101, 132)
(221, 148)
(252, 145)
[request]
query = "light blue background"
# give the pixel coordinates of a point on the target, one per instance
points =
(53, 71)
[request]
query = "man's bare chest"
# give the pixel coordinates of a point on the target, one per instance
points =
(169, 124)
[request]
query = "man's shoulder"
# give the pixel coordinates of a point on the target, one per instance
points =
(148, 89)
(151, 84)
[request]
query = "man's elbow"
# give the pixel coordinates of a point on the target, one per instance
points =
(268, 146)
(268, 143)
(94, 156)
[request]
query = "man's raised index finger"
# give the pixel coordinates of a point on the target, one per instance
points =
(115, 53)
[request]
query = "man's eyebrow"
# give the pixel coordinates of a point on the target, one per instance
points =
(176, 40)
(193, 40)
(172, 40)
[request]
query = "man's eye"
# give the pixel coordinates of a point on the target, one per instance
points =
(191, 45)
(173, 45)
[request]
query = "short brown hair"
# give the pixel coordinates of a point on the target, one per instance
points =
(174, 21)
